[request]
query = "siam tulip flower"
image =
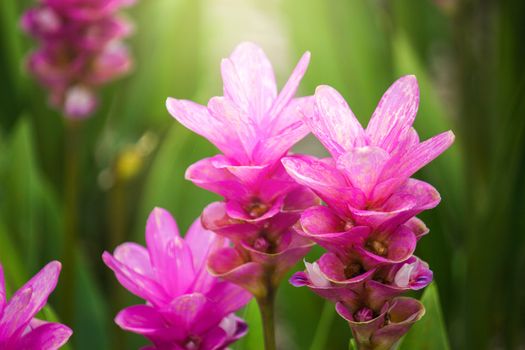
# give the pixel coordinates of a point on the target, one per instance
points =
(368, 227)
(254, 127)
(80, 50)
(367, 180)
(18, 327)
(186, 308)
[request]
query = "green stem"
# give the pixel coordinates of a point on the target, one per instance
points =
(267, 307)
(71, 188)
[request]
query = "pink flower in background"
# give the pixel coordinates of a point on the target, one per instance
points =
(18, 327)
(186, 307)
(80, 50)
(367, 179)
(254, 126)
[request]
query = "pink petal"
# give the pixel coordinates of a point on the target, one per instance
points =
(363, 166)
(290, 88)
(235, 210)
(418, 227)
(228, 264)
(234, 327)
(186, 310)
(241, 132)
(403, 313)
(80, 102)
(228, 297)
(411, 199)
(140, 285)
(215, 339)
(170, 256)
(249, 81)
(400, 245)
(315, 275)
(135, 257)
(207, 175)
(28, 300)
(300, 199)
(12, 321)
(215, 218)
(394, 114)
(49, 336)
(319, 176)
(248, 175)
(290, 249)
(333, 122)
(323, 226)
(362, 331)
(289, 130)
(202, 242)
(147, 321)
(422, 154)
(198, 119)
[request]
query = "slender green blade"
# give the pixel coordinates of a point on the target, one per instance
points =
(254, 339)
(429, 333)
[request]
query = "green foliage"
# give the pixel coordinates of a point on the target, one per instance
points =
(429, 333)
(254, 339)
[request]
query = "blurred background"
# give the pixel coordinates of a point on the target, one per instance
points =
(468, 56)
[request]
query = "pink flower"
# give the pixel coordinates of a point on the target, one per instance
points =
(369, 226)
(254, 127)
(368, 178)
(80, 50)
(186, 307)
(18, 327)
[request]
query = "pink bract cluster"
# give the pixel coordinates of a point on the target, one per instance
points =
(253, 126)
(18, 327)
(80, 50)
(186, 307)
(368, 227)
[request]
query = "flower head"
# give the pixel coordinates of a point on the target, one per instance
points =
(368, 177)
(254, 127)
(80, 50)
(186, 308)
(18, 327)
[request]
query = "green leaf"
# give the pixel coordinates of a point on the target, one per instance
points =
(352, 345)
(28, 205)
(92, 315)
(254, 339)
(323, 327)
(429, 333)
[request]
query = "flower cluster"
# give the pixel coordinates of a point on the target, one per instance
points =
(254, 127)
(186, 308)
(80, 49)
(368, 227)
(18, 327)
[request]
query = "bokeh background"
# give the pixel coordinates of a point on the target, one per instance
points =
(468, 56)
